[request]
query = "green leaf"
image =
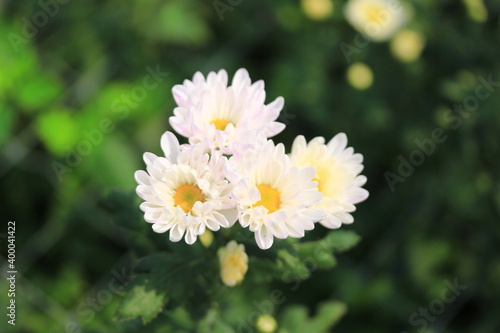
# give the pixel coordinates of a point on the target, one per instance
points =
(341, 240)
(39, 91)
(292, 263)
(161, 279)
(314, 254)
(296, 319)
(58, 130)
(142, 299)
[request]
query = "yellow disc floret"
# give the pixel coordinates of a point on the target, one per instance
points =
(269, 198)
(318, 179)
(220, 124)
(374, 13)
(187, 195)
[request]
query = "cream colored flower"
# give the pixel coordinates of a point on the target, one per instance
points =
(378, 20)
(273, 197)
(337, 176)
(185, 192)
(224, 117)
(233, 263)
(317, 9)
(266, 324)
(407, 45)
(360, 76)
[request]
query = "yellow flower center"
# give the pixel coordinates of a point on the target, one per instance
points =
(374, 13)
(220, 124)
(317, 179)
(186, 196)
(269, 198)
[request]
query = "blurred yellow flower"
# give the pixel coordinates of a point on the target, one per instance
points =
(233, 263)
(360, 76)
(378, 20)
(407, 45)
(317, 9)
(477, 10)
(266, 324)
(207, 238)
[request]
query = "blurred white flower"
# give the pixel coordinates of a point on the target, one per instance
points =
(185, 191)
(360, 76)
(221, 116)
(272, 196)
(337, 176)
(233, 263)
(266, 324)
(407, 45)
(378, 20)
(317, 9)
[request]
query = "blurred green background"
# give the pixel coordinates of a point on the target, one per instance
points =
(68, 70)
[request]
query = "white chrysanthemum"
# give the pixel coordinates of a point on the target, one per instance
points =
(378, 20)
(185, 191)
(337, 174)
(272, 196)
(221, 116)
(233, 262)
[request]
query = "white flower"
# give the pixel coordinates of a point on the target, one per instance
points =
(272, 196)
(337, 176)
(378, 20)
(185, 191)
(233, 263)
(221, 116)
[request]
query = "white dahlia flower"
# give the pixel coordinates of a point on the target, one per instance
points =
(378, 20)
(185, 191)
(337, 176)
(221, 116)
(273, 197)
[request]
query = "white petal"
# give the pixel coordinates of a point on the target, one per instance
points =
(264, 237)
(190, 237)
(176, 233)
(170, 146)
(231, 216)
(141, 177)
(331, 222)
(160, 228)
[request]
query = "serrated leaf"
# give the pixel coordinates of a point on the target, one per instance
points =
(160, 278)
(142, 299)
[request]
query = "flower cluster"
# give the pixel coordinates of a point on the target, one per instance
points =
(230, 171)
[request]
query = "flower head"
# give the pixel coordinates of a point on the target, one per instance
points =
(273, 197)
(378, 20)
(233, 263)
(407, 45)
(337, 176)
(221, 116)
(185, 191)
(266, 324)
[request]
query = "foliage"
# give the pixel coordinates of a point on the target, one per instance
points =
(62, 81)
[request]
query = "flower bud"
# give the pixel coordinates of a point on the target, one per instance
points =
(233, 263)
(266, 324)
(207, 238)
